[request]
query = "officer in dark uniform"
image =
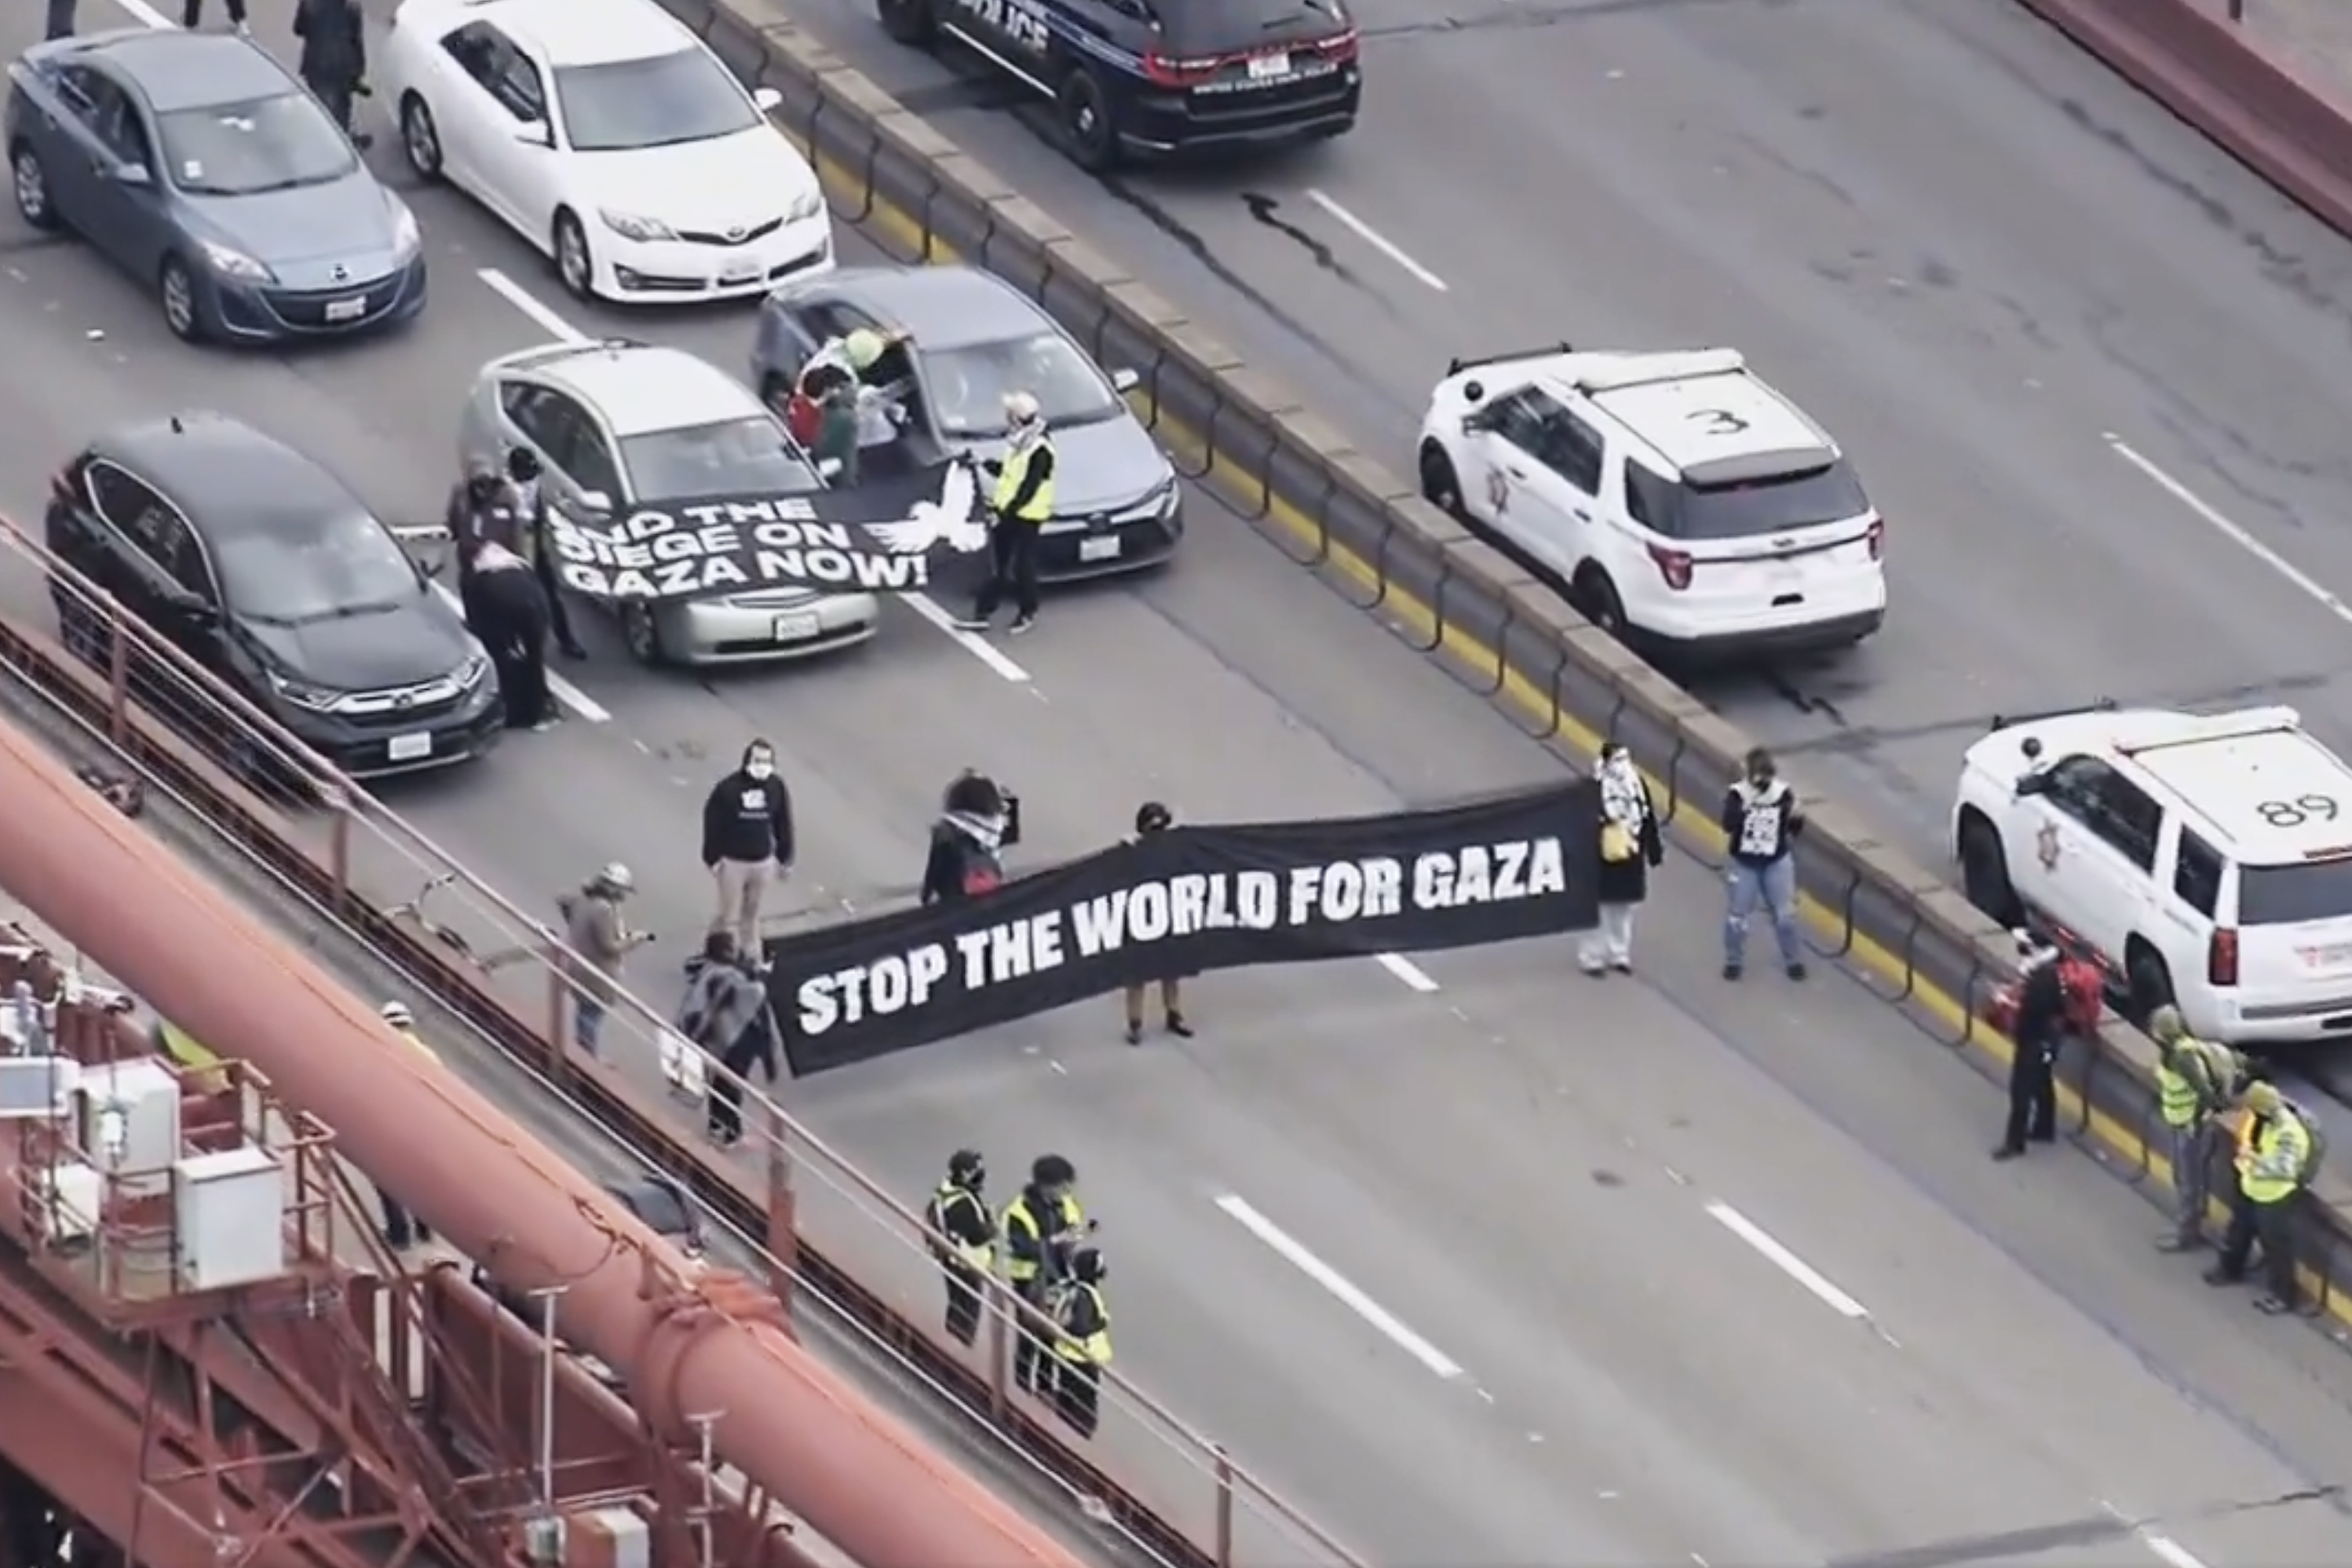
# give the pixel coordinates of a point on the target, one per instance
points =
(481, 511)
(523, 476)
(963, 1239)
(2041, 1029)
(512, 624)
(1082, 1349)
(1041, 1228)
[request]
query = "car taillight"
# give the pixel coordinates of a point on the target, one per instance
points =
(1673, 565)
(2221, 957)
(1877, 537)
(1339, 47)
(1164, 71)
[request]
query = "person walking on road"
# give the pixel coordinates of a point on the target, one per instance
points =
(192, 14)
(333, 63)
(963, 1240)
(2196, 1081)
(1022, 506)
(725, 1013)
(1762, 821)
(598, 941)
(747, 843)
(1631, 847)
(2277, 1152)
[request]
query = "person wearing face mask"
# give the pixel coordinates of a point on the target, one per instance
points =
(523, 479)
(978, 818)
(747, 843)
(1020, 509)
(1631, 846)
(1761, 820)
(481, 512)
(1152, 817)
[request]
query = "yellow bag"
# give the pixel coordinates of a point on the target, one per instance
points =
(1617, 842)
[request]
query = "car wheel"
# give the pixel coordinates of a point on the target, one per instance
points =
(1984, 873)
(1086, 128)
(175, 289)
(1440, 486)
(2148, 982)
(1595, 598)
(641, 635)
(573, 265)
(32, 182)
(420, 139)
(908, 22)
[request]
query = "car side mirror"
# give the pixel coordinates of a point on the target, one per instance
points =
(534, 133)
(134, 175)
(767, 99)
(1125, 380)
(2032, 784)
(596, 503)
(195, 611)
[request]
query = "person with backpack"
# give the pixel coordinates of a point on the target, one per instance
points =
(2279, 1151)
(2196, 1081)
(725, 1013)
(979, 819)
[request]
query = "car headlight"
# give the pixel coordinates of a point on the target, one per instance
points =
(302, 694)
(231, 263)
(628, 226)
(806, 205)
(470, 673)
(405, 237)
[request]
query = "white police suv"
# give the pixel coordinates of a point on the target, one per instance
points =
(1679, 501)
(2208, 859)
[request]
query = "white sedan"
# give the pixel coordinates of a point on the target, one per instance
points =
(607, 135)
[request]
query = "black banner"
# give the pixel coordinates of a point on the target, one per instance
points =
(878, 537)
(1183, 901)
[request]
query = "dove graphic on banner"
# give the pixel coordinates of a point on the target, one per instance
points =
(952, 520)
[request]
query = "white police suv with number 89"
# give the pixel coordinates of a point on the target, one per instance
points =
(2208, 859)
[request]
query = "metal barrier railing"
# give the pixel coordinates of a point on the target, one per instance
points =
(818, 1220)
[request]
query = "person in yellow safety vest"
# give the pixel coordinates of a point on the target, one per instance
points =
(402, 1229)
(1023, 505)
(1041, 1228)
(1083, 1347)
(2274, 1161)
(2196, 1081)
(205, 1070)
(963, 1239)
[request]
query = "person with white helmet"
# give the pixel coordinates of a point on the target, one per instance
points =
(596, 941)
(402, 1229)
(1020, 509)
(841, 373)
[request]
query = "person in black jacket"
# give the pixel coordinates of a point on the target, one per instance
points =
(747, 843)
(334, 57)
(506, 610)
(2040, 1028)
(1631, 847)
(531, 507)
(977, 819)
(1152, 817)
(726, 1014)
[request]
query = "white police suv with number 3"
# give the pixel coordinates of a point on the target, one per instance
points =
(2208, 859)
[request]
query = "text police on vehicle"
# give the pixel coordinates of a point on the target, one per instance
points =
(2208, 859)
(1132, 77)
(1185, 901)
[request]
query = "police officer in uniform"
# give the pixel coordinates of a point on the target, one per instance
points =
(2041, 1027)
(963, 1239)
(508, 611)
(481, 511)
(2196, 1081)
(1081, 1347)
(2276, 1155)
(1041, 1228)
(523, 476)
(1020, 506)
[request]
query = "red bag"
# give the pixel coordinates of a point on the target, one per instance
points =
(979, 878)
(803, 418)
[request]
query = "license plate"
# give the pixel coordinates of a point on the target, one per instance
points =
(410, 748)
(1102, 547)
(347, 310)
(796, 628)
(1264, 68)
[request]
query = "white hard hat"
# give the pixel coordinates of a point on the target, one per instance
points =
(617, 877)
(397, 1015)
(1020, 408)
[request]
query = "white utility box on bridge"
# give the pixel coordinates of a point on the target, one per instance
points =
(229, 1217)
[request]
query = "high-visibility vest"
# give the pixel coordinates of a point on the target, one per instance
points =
(210, 1073)
(1094, 1347)
(1015, 469)
(2177, 1096)
(1020, 1269)
(2281, 1145)
(977, 1255)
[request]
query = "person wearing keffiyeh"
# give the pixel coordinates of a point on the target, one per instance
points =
(1631, 843)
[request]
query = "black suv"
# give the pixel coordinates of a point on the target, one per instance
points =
(1145, 76)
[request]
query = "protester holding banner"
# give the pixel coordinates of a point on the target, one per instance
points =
(1152, 817)
(1630, 845)
(967, 840)
(725, 1014)
(747, 841)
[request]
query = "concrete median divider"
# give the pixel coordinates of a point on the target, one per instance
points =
(1347, 516)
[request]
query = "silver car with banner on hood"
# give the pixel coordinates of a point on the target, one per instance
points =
(622, 425)
(970, 339)
(197, 164)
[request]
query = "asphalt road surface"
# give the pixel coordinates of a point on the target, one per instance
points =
(1476, 1258)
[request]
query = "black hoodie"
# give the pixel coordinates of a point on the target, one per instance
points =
(967, 841)
(748, 818)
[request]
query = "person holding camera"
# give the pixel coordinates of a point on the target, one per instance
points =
(979, 819)
(1150, 818)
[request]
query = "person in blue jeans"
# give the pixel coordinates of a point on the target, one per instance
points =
(1762, 821)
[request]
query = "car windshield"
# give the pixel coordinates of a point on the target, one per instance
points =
(737, 458)
(1232, 27)
(658, 102)
(2291, 894)
(1772, 503)
(244, 149)
(314, 568)
(966, 386)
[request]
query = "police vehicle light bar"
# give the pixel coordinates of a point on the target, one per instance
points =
(2010, 721)
(1454, 366)
(2200, 729)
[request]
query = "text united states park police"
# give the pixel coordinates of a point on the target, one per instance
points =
(1336, 892)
